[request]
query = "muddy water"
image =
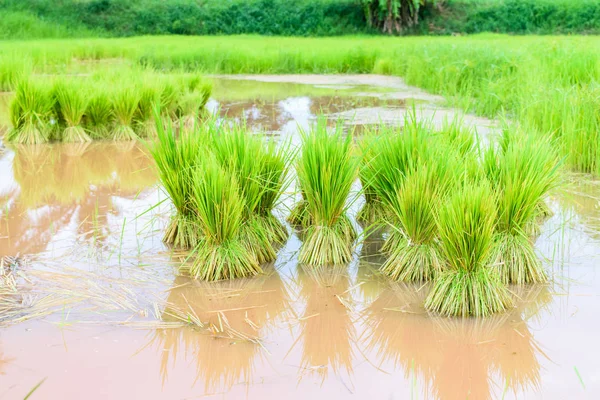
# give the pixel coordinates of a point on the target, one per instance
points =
(102, 313)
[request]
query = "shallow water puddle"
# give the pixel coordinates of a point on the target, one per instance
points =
(103, 313)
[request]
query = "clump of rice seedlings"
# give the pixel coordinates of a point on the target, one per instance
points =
(468, 285)
(415, 254)
(189, 106)
(396, 154)
(299, 215)
(192, 99)
(524, 173)
(219, 205)
(99, 116)
(274, 170)
(175, 160)
(326, 170)
(72, 102)
(259, 170)
(170, 91)
(125, 102)
(31, 113)
(460, 137)
(372, 211)
(149, 100)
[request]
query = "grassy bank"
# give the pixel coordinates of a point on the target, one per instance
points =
(548, 84)
(84, 18)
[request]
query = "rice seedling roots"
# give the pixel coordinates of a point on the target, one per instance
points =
(517, 261)
(410, 262)
(478, 293)
(182, 232)
(328, 245)
(220, 261)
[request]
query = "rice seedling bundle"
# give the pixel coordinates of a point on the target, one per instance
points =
(221, 252)
(372, 211)
(99, 115)
(125, 102)
(396, 154)
(110, 106)
(72, 101)
(274, 171)
(468, 284)
(193, 97)
(412, 209)
(149, 100)
(524, 174)
(175, 160)
(259, 170)
(31, 113)
(326, 170)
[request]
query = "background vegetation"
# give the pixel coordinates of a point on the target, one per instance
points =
(68, 18)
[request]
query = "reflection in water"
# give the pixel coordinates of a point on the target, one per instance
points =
(582, 196)
(370, 281)
(453, 358)
(327, 328)
(233, 316)
(60, 184)
(276, 115)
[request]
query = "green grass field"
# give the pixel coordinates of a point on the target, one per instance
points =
(548, 84)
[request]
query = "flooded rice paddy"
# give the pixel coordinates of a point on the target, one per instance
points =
(93, 307)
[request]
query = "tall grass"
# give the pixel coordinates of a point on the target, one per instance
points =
(326, 170)
(468, 284)
(548, 84)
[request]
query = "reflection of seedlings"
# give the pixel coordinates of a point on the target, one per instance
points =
(220, 363)
(582, 195)
(401, 333)
(228, 316)
(455, 358)
(71, 178)
(367, 276)
(327, 328)
(326, 171)
(467, 346)
(516, 356)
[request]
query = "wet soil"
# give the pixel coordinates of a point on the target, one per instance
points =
(102, 312)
